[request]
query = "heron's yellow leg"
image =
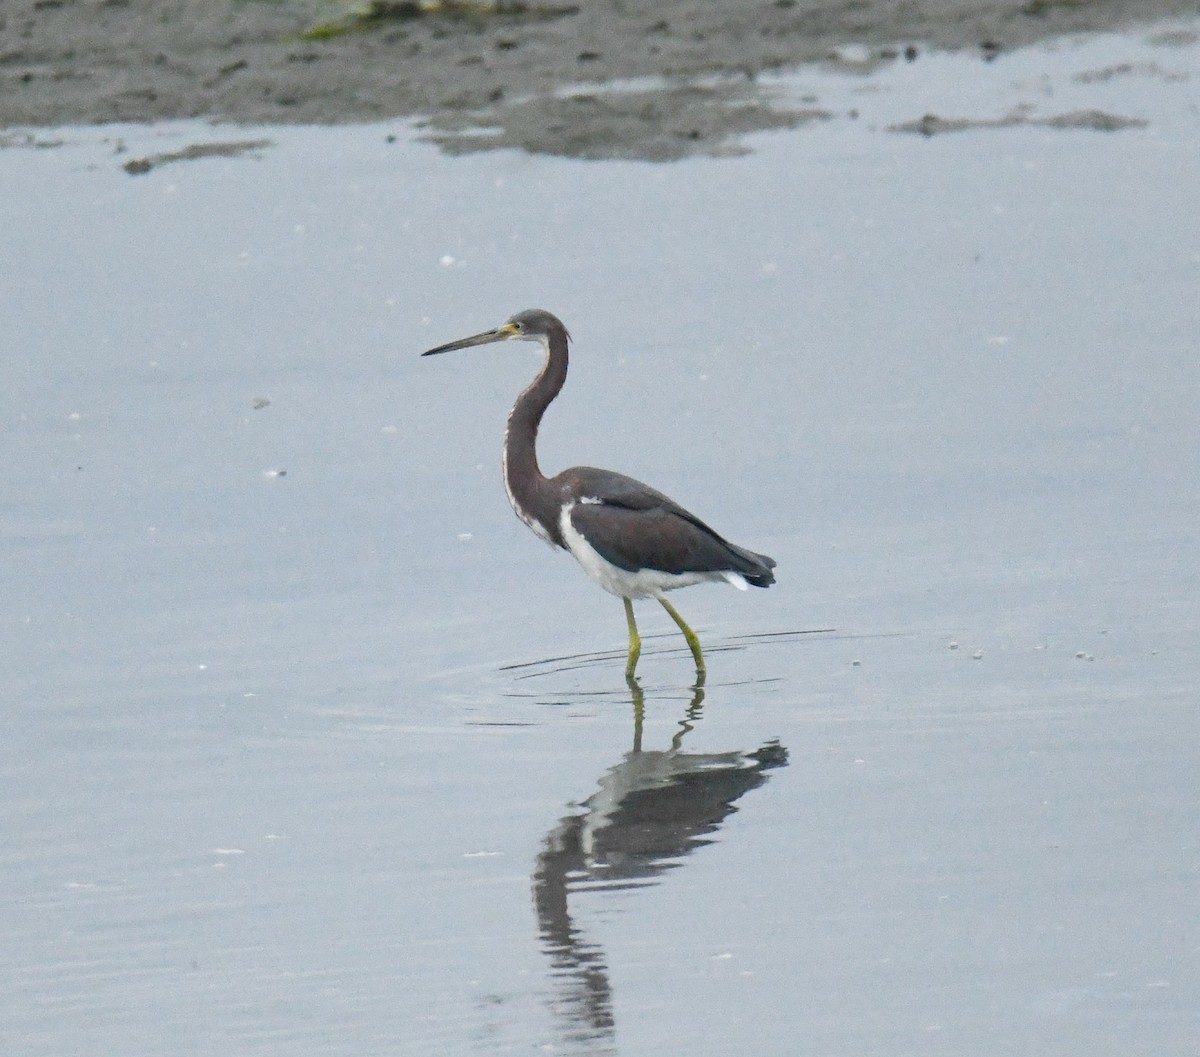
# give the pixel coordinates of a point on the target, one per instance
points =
(692, 641)
(635, 640)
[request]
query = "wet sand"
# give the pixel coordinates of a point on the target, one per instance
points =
(502, 66)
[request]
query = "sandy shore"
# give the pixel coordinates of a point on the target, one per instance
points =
(482, 64)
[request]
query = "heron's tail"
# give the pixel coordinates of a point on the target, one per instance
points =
(756, 568)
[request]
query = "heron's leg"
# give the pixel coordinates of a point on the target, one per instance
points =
(690, 635)
(635, 640)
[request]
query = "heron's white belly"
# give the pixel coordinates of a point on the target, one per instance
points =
(644, 583)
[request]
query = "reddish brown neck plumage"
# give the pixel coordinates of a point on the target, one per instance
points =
(531, 494)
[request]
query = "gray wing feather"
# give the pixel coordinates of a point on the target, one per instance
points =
(637, 527)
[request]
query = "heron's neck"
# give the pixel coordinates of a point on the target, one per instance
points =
(529, 491)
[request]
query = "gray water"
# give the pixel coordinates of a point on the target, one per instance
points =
(310, 747)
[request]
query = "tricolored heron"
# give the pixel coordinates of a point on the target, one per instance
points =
(631, 539)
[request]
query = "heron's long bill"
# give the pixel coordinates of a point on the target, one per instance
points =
(498, 334)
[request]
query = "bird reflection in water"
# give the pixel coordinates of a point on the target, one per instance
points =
(652, 809)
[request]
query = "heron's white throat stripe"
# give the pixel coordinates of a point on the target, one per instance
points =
(539, 529)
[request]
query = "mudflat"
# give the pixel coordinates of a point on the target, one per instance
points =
(506, 64)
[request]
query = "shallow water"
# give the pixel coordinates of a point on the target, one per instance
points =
(313, 748)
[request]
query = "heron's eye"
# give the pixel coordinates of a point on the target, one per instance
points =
(518, 326)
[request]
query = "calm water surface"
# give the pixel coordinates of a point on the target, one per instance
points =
(311, 748)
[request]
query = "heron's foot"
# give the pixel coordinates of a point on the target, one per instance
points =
(631, 666)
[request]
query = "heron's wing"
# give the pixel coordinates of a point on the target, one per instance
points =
(637, 527)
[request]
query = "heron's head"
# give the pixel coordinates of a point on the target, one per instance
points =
(534, 324)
